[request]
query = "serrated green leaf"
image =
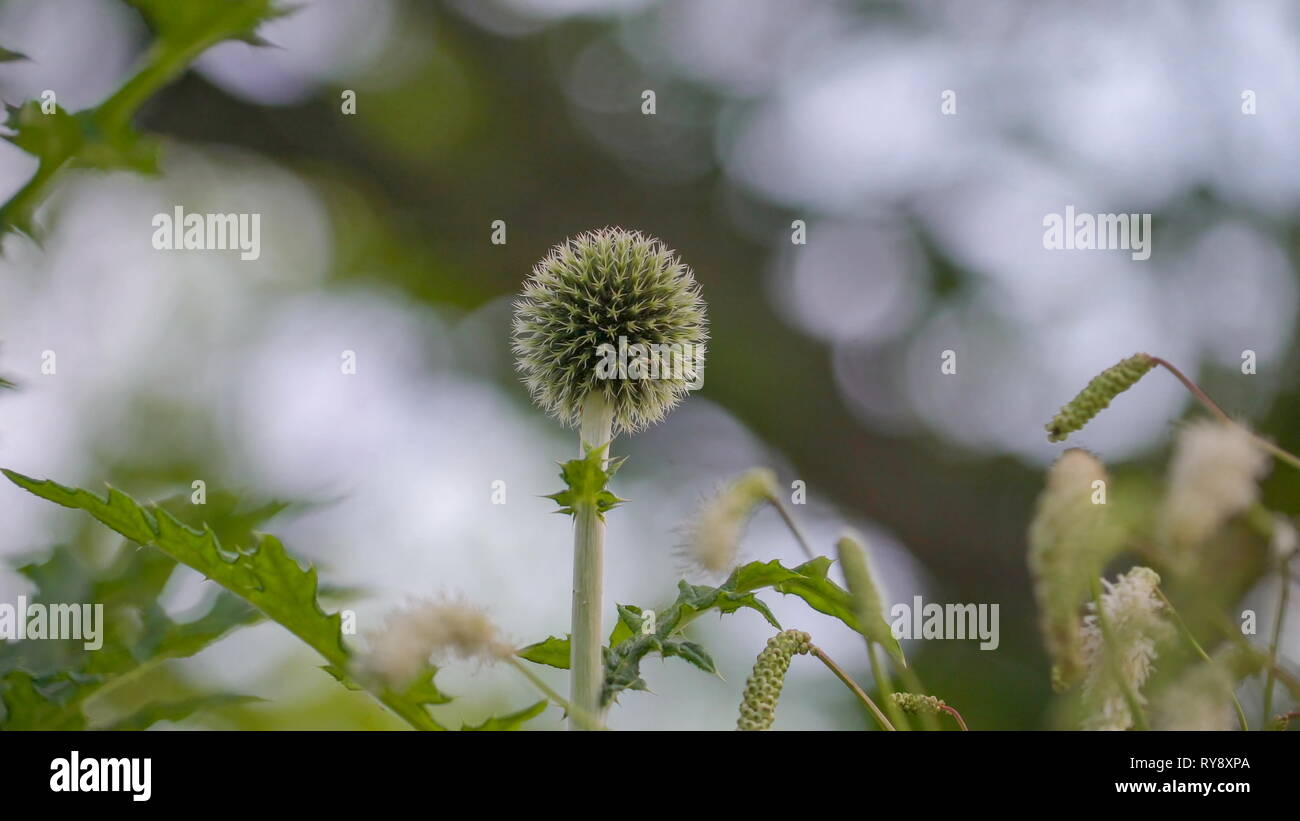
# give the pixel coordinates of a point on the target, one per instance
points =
(151, 714)
(423, 690)
(263, 573)
(512, 721)
(553, 652)
(32, 703)
(825, 596)
(692, 652)
(622, 630)
(203, 20)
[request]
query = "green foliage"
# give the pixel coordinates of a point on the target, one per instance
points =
(50, 702)
(102, 137)
(511, 721)
(585, 481)
(150, 714)
(46, 683)
(553, 652)
(7, 56)
(196, 21)
(259, 572)
(628, 645)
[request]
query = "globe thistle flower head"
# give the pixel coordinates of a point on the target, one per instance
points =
(612, 312)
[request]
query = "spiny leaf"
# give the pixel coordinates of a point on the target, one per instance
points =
(264, 574)
(692, 652)
(553, 652)
(261, 573)
(811, 584)
(422, 689)
(585, 481)
(512, 721)
(151, 714)
(203, 20)
(628, 645)
(134, 629)
(31, 703)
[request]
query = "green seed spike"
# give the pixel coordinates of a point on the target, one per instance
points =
(916, 704)
(1104, 387)
(758, 706)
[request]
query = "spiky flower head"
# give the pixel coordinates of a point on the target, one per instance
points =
(612, 312)
(763, 689)
(1137, 617)
(1214, 475)
(713, 534)
(1098, 394)
(431, 630)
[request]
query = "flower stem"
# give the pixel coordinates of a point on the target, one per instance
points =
(952, 711)
(588, 571)
(885, 688)
(1213, 407)
(1200, 651)
(1284, 599)
(575, 713)
(853, 685)
(794, 528)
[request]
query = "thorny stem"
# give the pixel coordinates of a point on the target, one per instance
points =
(581, 716)
(853, 685)
(1213, 407)
(1284, 598)
(1108, 636)
(586, 663)
(1200, 651)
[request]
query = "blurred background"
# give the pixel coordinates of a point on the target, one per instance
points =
(924, 234)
